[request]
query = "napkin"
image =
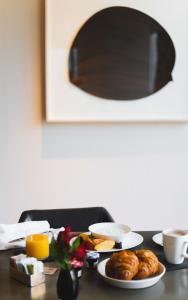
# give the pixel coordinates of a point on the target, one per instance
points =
(11, 232)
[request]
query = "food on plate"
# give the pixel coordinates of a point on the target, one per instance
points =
(105, 245)
(148, 263)
(96, 243)
(86, 238)
(122, 265)
(128, 265)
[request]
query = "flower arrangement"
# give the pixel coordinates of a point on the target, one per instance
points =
(68, 254)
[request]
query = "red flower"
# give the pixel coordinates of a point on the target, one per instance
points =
(76, 263)
(67, 230)
(64, 236)
(69, 254)
(87, 245)
(80, 252)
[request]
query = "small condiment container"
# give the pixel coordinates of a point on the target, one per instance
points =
(92, 259)
(118, 245)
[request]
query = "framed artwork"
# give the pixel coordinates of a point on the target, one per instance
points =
(116, 60)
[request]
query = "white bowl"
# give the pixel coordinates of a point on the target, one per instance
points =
(130, 284)
(110, 230)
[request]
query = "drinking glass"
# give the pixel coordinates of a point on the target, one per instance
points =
(37, 245)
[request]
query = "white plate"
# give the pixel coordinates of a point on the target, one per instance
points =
(133, 239)
(158, 238)
(130, 284)
(110, 230)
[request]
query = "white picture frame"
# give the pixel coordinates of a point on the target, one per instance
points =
(67, 103)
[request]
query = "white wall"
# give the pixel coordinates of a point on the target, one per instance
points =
(139, 172)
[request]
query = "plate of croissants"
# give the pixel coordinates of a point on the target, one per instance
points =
(131, 269)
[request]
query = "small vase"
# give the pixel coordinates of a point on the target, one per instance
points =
(67, 285)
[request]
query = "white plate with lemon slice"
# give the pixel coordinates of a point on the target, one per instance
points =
(133, 239)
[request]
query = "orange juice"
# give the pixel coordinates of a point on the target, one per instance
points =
(37, 245)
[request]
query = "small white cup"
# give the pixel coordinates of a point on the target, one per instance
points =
(175, 244)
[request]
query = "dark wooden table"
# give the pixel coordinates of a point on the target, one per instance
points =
(173, 286)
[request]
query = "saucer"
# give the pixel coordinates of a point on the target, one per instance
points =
(130, 284)
(158, 238)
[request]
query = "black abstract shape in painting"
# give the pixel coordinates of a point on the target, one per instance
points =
(121, 53)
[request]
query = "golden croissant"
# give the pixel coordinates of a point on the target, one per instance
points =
(122, 265)
(148, 264)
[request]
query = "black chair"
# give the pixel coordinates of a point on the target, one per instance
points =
(78, 218)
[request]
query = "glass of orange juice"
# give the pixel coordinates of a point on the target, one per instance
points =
(37, 245)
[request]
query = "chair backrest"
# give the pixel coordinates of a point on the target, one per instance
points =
(78, 218)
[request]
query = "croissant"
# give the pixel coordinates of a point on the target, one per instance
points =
(122, 265)
(148, 264)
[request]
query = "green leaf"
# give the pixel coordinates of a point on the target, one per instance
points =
(75, 244)
(53, 248)
(60, 254)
